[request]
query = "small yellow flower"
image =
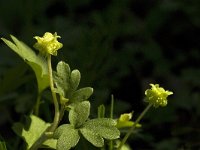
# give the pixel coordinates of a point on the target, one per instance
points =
(125, 117)
(124, 121)
(157, 96)
(48, 44)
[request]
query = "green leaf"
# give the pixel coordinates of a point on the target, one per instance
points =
(105, 127)
(2, 144)
(75, 79)
(20, 48)
(79, 113)
(37, 63)
(61, 78)
(67, 137)
(50, 143)
(32, 130)
(42, 78)
(92, 137)
(81, 94)
(67, 82)
(96, 129)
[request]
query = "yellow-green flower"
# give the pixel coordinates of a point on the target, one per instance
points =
(124, 121)
(48, 44)
(157, 96)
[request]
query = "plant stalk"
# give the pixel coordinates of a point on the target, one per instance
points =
(55, 101)
(37, 106)
(111, 116)
(133, 127)
(56, 119)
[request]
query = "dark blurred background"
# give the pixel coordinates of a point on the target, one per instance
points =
(119, 46)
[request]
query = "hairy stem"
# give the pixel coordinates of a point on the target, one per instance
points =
(56, 119)
(39, 142)
(55, 101)
(133, 127)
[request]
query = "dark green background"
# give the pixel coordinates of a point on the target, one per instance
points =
(119, 46)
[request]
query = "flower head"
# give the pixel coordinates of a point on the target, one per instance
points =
(48, 44)
(157, 96)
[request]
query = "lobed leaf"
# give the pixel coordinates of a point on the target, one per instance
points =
(79, 113)
(75, 79)
(61, 78)
(105, 127)
(67, 82)
(102, 122)
(82, 94)
(67, 137)
(92, 137)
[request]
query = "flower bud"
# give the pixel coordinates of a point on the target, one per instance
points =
(125, 121)
(48, 44)
(157, 96)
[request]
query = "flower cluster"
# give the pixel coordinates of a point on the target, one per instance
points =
(157, 96)
(48, 44)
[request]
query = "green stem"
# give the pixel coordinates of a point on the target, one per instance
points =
(37, 106)
(62, 111)
(133, 127)
(55, 101)
(56, 119)
(111, 116)
(39, 142)
(112, 107)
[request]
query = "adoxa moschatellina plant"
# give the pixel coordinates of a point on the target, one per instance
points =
(66, 96)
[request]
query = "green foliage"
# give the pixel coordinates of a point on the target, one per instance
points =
(67, 83)
(50, 143)
(61, 78)
(75, 79)
(67, 137)
(93, 130)
(82, 94)
(79, 113)
(36, 132)
(118, 46)
(37, 62)
(2, 144)
(96, 129)
(105, 127)
(92, 137)
(32, 130)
